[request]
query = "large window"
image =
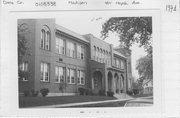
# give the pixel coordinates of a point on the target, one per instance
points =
(60, 46)
(70, 49)
(60, 74)
(45, 72)
(70, 76)
(45, 38)
(23, 67)
(95, 52)
(80, 52)
(122, 64)
(81, 77)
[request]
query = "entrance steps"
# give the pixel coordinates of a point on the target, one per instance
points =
(122, 96)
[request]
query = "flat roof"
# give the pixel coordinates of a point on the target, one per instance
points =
(71, 33)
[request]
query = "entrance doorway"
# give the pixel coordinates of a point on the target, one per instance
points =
(110, 81)
(97, 76)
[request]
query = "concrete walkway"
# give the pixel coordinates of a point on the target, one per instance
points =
(85, 103)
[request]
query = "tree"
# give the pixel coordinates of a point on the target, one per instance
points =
(130, 30)
(144, 67)
(133, 30)
(23, 49)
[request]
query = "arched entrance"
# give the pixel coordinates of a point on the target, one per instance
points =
(97, 76)
(110, 76)
(122, 83)
(117, 83)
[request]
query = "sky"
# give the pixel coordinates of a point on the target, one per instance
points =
(93, 25)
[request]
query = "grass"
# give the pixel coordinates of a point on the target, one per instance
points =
(40, 101)
(141, 95)
(109, 104)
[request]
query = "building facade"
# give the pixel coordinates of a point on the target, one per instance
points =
(63, 61)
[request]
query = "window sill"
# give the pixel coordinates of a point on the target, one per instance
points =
(71, 83)
(45, 49)
(81, 84)
(59, 82)
(24, 80)
(44, 81)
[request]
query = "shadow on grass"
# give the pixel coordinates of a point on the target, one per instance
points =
(41, 101)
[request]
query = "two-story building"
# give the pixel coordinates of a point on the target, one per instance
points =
(63, 61)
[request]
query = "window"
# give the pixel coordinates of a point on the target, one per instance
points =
(104, 56)
(71, 49)
(44, 72)
(98, 54)
(81, 77)
(122, 64)
(45, 38)
(60, 74)
(80, 52)
(117, 62)
(70, 76)
(94, 52)
(60, 46)
(23, 68)
(101, 54)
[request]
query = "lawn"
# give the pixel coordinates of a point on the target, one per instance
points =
(40, 101)
(142, 95)
(109, 104)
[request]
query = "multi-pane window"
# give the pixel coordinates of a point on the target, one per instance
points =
(107, 57)
(80, 52)
(94, 52)
(45, 38)
(81, 77)
(60, 74)
(45, 72)
(122, 64)
(70, 49)
(70, 76)
(101, 55)
(60, 46)
(23, 67)
(104, 56)
(117, 63)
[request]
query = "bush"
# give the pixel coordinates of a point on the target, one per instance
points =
(44, 91)
(26, 93)
(121, 91)
(117, 90)
(89, 92)
(136, 91)
(101, 92)
(82, 91)
(110, 93)
(130, 92)
(34, 93)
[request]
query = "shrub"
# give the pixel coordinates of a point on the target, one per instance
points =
(44, 91)
(89, 92)
(136, 91)
(110, 93)
(117, 90)
(26, 93)
(82, 91)
(121, 91)
(101, 92)
(130, 92)
(34, 93)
